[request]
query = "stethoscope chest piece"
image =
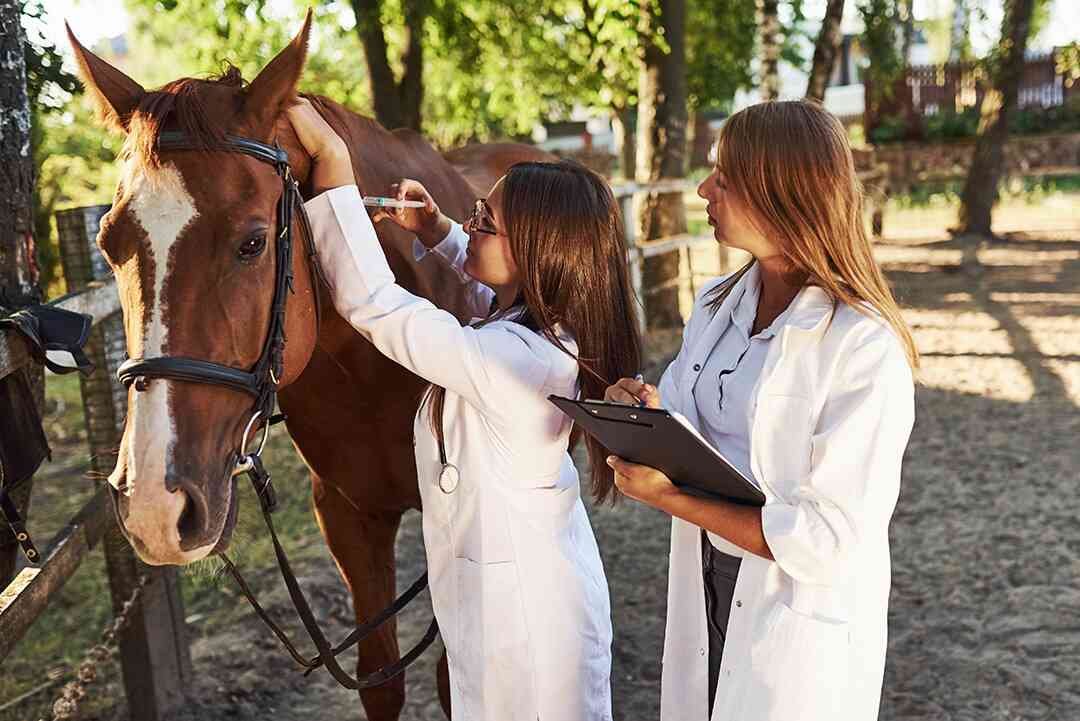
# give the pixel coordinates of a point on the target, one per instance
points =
(449, 477)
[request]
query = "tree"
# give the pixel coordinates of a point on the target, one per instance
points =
(49, 87)
(18, 276)
(661, 150)
(396, 102)
(825, 49)
(885, 66)
(906, 14)
(719, 50)
(960, 30)
(1006, 69)
(18, 273)
(769, 27)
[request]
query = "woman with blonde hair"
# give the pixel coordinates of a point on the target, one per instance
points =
(798, 368)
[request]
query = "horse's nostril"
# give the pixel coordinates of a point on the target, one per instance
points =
(189, 522)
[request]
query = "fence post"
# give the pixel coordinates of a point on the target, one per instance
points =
(634, 259)
(154, 651)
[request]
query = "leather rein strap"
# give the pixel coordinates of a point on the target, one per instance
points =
(261, 382)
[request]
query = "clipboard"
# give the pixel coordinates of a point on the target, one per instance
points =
(664, 440)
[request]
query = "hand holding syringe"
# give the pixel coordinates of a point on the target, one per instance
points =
(412, 208)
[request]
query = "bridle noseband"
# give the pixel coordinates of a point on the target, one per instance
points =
(261, 382)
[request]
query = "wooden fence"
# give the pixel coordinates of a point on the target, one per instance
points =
(155, 659)
(685, 244)
(925, 90)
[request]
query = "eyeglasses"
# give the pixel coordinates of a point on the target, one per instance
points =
(480, 218)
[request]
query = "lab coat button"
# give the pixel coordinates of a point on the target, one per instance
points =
(697, 367)
(701, 651)
(739, 604)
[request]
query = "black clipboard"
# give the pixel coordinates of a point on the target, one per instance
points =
(666, 441)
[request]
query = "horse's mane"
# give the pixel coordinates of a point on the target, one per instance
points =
(183, 105)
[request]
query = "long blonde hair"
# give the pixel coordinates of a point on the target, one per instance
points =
(791, 165)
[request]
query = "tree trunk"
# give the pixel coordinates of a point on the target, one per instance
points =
(622, 121)
(18, 272)
(396, 104)
(769, 27)
(981, 186)
(907, 20)
(411, 88)
(661, 153)
(825, 49)
(959, 43)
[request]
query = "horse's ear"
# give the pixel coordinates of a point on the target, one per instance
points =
(275, 87)
(115, 94)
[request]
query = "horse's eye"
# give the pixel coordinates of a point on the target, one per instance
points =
(252, 247)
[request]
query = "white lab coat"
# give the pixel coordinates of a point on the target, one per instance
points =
(516, 580)
(829, 419)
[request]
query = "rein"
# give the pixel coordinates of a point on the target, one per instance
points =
(261, 382)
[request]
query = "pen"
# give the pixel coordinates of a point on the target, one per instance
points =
(640, 378)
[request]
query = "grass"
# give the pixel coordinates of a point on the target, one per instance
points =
(75, 618)
(1032, 190)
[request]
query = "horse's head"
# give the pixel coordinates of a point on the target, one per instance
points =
(192, 238)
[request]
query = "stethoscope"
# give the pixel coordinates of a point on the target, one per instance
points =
(449, 475)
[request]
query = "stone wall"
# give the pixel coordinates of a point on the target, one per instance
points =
(912, 163)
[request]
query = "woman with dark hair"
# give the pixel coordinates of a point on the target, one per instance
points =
(798, 368)
(517, 584)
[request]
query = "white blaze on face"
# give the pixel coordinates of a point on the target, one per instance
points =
(163, 207)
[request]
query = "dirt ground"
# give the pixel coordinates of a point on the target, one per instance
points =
(984, 622)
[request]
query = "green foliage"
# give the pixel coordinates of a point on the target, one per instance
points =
(951, 125)
(1067, 62)
(881, 20)
(889, 129)
(946, 126)
(719, 47)
(1034, 120)
(796, 36)
(49, 89)
(198, 39)
(1030, 189)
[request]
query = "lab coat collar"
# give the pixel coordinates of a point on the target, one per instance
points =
(806, 317)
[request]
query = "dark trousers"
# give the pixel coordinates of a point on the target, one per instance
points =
(720, 571)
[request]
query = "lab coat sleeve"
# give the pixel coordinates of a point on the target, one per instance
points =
(486, 366)
(451, 251)
(851, 489)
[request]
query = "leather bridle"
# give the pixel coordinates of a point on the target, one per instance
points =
(261, 382)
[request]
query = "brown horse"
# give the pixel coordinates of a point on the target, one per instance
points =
(190, 238)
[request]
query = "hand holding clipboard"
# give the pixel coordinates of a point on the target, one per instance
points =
(666, 441)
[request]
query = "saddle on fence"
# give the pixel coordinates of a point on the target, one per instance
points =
(49, 328)
(23, 445)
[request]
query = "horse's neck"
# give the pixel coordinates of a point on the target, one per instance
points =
(380, 158)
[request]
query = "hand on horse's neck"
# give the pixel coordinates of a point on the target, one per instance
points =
(778, 289)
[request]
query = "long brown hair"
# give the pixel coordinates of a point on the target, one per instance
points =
(566, 237)
(790, 163)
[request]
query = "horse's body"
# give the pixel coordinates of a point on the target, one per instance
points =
(349, 410)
